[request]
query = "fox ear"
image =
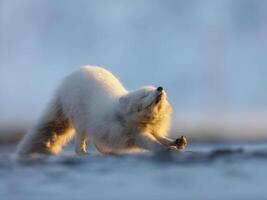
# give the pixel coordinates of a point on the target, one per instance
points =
(123, 100)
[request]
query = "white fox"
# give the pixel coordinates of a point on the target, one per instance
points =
(92, 103)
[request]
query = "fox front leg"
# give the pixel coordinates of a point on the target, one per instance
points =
(148, 142)
(179, 143)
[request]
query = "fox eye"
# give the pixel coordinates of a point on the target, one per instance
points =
(143, 96)
(139, 108)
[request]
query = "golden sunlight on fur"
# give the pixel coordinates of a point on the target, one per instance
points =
(94, 107)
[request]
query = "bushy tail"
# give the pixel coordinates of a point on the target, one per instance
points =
(52, 131)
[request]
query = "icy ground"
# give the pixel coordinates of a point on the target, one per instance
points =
(203, 172)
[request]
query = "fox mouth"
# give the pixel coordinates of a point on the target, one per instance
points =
(158, 98)
(154, 102)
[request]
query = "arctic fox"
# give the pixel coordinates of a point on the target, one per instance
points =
(93, 103)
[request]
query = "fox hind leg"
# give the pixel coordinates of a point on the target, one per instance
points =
(50, 134)
(81, 140)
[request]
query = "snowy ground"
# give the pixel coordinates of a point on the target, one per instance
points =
(229, 171)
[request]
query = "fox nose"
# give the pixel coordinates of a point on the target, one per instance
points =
(159, 89)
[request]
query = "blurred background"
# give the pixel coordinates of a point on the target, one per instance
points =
(210, 56)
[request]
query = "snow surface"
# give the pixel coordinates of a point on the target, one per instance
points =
(229, 171)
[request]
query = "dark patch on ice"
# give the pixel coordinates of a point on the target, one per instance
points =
(226, 151)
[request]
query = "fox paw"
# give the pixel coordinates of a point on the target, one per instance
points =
(181, 143)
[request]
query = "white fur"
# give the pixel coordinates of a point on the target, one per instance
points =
(93, 103)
